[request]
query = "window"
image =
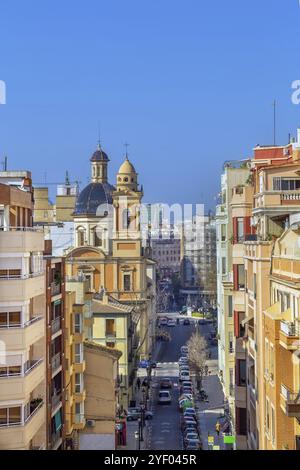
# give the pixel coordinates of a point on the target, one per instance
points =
(77, 323)
(231, 387)
(127, 282)
(10, 319)
(273, 424)
(240, 229)
(254, 285)
(242, 421)
(78, 353)
(267, 415)
(271, 362)
(80, 236)
(125, 219)
(230, 342)
(266, 356)
(97, 237)
(242, 373)
(286, 184)
(12, 415)
(78, 383)
(110, 327)
(230, 307)
(223, 266)
(241, 276)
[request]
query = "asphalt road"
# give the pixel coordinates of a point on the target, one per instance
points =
(165, 432)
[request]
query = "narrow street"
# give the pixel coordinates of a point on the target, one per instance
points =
(165, 433)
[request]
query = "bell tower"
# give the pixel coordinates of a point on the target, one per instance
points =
(99, 162)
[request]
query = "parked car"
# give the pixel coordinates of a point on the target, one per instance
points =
(183, 360)
(193, 444)
(187, 383)
(188, 414)
(166, 383)
(186, 321)
(134, 414)
(164, 397)
(184, 375)
(184, 350)
(163, 321)
(188, 422)
(171, 323)
(188, 430)
(194, 436)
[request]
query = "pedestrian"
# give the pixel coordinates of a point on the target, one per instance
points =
(218, 428)
(138, 383)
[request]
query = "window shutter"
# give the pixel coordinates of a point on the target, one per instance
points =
(236, 324)
(235, 234)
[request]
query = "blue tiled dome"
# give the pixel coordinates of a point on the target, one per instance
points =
(93, 196)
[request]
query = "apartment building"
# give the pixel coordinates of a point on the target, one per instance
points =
(55, 298)
(23, 358)
(102, 397)
(78, 327)
(241, 208)
(275, 179)
(235, 173)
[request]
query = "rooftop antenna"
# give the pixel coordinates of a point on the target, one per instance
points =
(67, 180)
(4, 164)
(126, 145)
(274, 123)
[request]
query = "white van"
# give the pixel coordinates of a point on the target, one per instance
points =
(164, 397)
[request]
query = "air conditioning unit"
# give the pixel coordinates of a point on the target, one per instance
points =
(90, 423)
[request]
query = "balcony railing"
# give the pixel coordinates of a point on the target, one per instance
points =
(55, 437)
(110, 335)
(30, 365)
(290, 196)
(55, 288)
(34, 407)
(10, 228)
(56, 361)
(56, 325)
(55, 400)
(21, 325)
(20, 276)
(289, 328)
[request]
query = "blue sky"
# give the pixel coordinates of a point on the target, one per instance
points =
(188, 84)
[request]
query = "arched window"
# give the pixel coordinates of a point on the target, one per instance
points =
(97, 237)
(80, 236)
(126, 179)
(125, 218)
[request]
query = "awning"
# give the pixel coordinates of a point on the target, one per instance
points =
(57, 421)
(247, 320)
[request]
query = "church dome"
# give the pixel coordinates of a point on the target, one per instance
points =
(99, 155)
(91, 197)
(127, 168)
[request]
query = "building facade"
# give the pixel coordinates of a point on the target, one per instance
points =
(23, 318)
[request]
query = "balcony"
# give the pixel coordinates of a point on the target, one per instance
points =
(18, 387)
(56, 439)
(79, 422)
(79, 367)
(55, 289)
(18, 435)
(240, 351)
(110, 336)
(22, 239)
(240, 395)
(290, 402)
(56, 400)
(289, 335)
(56, 362)
(23, 336)
(56, 325)
(19, 288)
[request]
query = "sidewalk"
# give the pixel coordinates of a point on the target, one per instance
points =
(210, 412)
(133, 426)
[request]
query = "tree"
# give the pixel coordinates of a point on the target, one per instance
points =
(198, 354)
